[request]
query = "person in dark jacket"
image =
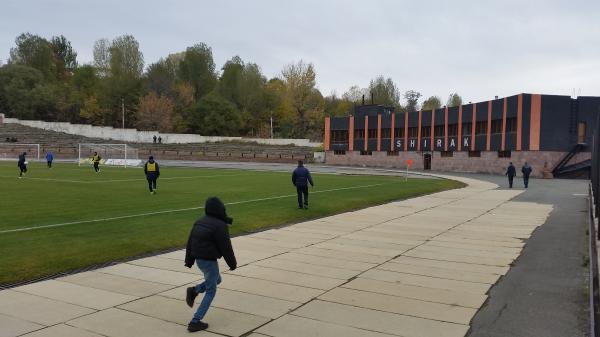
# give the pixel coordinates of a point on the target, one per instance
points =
(300, 178)
(152, 172)
(49, 158)
(208, 241)
(511, 172)
(22, 164)
(526, 170)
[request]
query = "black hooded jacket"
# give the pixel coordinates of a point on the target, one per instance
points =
(209, 238)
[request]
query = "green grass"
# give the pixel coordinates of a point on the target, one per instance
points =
(68, 193)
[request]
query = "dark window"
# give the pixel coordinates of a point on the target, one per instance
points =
(496, 126)
(339, 136)
(413, 132)
(466, 128)
(399, 133)
(503, 154)
(365, 153)
(392, 153)
(474, 153)
(447, 153)
(372, 133)
(511, 125)
(452, 130)
(425, 131)
(386, 133)
(439, 131)
(339, 152)
(481, 128)
(359, 133)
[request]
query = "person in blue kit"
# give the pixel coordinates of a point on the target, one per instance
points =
(152, 172)
(22, 164)
(208, 241)
(49, 158)
(301, 178)
(511, 172)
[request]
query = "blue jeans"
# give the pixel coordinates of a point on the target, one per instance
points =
(210, 269)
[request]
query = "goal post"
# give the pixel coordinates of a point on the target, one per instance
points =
(111, 154)
(13, 150)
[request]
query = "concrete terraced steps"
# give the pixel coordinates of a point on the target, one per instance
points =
(416, 268)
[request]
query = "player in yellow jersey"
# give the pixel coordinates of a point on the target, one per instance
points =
(152, 172)
(96, 160)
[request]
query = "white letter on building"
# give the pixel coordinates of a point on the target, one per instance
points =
(452, 144)
(439, 143)
(466, 142)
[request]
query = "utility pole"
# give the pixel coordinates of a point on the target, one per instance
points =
(123, 110)
(271, 125)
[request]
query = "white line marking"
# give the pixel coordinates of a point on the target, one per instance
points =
(177, 210)
(124, 180)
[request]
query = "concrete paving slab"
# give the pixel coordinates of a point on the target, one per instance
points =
(62, 330)
(295, 326)
(289, 277)
(164, 263)
(467, 252)
(343, 248)
(253, 304)
(222, 321)
(349, 256)
(254, 241)
(477, 268)
(286, 232)
(327, 261)
(463, 299)
(116, 284)
(121, 323)
(440, 273)
(488, 261)
(12, 327)
(373, 320)
(400, 305)
(398, 239)
(449, 237)
(365, 242)
(38, 309)
(307, 268)
(426, 281)
(76, 294)
(266, 288)
(470, 246)
(151, 274)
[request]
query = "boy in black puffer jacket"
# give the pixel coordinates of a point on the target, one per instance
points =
(208, 241)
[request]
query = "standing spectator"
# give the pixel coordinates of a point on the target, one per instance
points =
(49, 158)
(511, 172)
(159, 140)
(22, 164)
(152, 172)
(154, 139)
(526, 170)
(208, 241)
(300, 178)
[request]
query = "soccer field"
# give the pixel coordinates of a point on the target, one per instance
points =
(68, 217)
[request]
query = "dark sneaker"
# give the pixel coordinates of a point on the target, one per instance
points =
(190, 296)
(305, 206)
(197, 326)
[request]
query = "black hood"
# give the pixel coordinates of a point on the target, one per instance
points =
(215, 208)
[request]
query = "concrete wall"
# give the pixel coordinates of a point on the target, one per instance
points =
(135, 136)
(460, 162)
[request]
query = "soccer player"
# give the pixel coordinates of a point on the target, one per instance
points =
(152, 173)
(300, 178)
(96, 160)
(49, 158)
(22, 164)
(208, 241)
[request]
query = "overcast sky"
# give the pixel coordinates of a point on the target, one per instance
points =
(476, 48)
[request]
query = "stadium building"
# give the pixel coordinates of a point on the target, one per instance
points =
(552, 133)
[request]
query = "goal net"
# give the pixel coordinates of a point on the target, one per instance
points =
(10, 151)
(111, 154)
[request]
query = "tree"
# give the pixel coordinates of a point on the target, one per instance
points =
(102, 57)
(198, 69)
(384, 92)
(412, 100)
(126, 59)
(154, 113)
(355, 94)
(301, 94)
(36, 52)
(65, 56)
(454, 100)
(215, 116)
(231, 80)
(432, 103)
(24, 93)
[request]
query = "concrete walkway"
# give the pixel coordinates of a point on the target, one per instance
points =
(419, 267)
